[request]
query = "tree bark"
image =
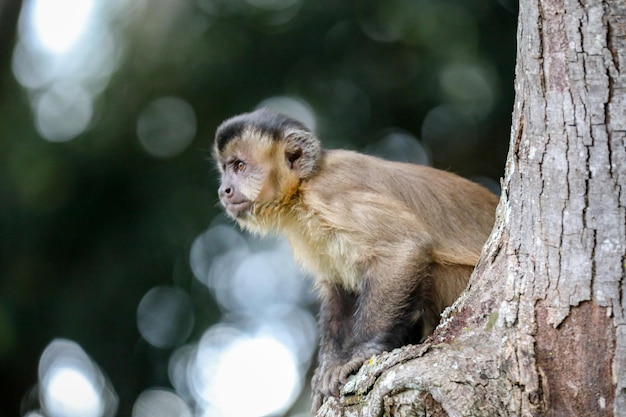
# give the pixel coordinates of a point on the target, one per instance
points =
(541, 330)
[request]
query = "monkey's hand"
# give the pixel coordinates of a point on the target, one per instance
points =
(328, 379)
(325, 383)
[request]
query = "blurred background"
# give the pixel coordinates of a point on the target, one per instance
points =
(123, 289)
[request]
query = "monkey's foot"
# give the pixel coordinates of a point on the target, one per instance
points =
(336, 376)
(327, 382)
(317, 399)
(329, 378)
(318, 387)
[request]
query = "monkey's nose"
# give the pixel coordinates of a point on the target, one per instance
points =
(225, 191)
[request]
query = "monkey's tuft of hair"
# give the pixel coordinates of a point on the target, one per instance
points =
(263, 121)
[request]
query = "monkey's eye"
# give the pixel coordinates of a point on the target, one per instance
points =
(239, 166)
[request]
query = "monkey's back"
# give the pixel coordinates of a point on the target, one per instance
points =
(380, 202)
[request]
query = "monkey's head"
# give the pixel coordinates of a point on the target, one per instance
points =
(263, 157)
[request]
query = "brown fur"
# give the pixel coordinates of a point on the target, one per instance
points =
(390, 244)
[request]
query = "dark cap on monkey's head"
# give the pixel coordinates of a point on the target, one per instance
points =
(264, 121)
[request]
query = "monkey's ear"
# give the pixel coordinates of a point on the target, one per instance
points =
(302, 152)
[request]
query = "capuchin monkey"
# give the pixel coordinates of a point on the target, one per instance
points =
(390, 244)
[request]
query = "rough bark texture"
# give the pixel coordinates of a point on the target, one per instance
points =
(541, 331)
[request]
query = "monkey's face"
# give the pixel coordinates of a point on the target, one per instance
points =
(232, 199)
(263, 157)
(251, 179)
(242, 180)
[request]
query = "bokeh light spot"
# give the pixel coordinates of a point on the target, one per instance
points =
(59, 24)
(165, 316)
(401, 146)
(166, 127)
(470, 87)
(70, 392)
(63, 112)
(292, 106)
(217, 240)
(449, 131)
(71, 385)
(242, 279)
(160, 403)
(246, 366)
(265, 279)
(31, 70)
(178, 369)
(229, 363)
(294, 327)
(65, 56)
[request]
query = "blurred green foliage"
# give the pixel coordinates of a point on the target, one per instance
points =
(89, 225)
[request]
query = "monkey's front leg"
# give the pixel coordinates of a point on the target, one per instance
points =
(390, 300)
(336, 325)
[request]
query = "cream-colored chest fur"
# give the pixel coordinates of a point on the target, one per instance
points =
(326, 252)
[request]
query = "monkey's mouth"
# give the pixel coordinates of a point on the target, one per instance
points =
(237, 209)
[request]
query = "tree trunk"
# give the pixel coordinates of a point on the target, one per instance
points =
(541, 331)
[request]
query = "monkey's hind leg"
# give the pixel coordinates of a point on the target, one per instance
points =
(445, 284)
(386, 304)
(336, 325)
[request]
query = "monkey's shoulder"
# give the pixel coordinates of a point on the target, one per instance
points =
(358, 168)
(345, 171)
(354, 195)
(356, 179)
(363, 200)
